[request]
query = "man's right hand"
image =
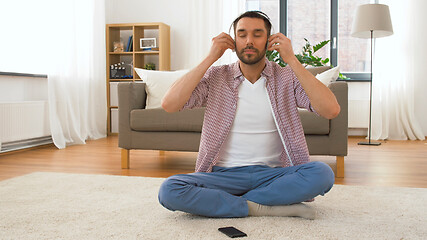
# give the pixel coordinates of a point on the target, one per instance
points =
(220, 44)
(179, 93)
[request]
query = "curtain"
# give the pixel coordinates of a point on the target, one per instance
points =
(231, 10)
(393, 114)
(209, 19)
(65, 40)
(76, 76)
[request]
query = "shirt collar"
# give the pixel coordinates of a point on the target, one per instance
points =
(238, 75)
(267, 72)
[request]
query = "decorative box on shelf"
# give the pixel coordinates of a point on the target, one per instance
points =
(119, 71)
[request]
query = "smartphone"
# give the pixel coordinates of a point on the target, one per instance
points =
(232, 232)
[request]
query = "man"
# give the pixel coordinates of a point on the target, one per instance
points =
(253, 159)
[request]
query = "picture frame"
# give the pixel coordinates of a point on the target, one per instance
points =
(147, 43)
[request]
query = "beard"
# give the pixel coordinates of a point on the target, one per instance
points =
(250, 59)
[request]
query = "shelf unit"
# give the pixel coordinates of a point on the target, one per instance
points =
(136, 58)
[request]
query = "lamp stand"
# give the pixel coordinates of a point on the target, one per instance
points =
(370, 103)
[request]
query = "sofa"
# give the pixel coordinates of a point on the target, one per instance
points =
(155, 129)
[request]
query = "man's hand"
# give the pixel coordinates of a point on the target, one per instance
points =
(220, 44)
(179, 93)
(321, 97)
(282, 44)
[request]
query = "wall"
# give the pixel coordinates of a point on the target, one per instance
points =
(16, 89)
(175, 14)
(420, 95)
(358, 108)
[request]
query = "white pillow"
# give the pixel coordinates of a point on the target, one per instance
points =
(157, 84)
(327, 77)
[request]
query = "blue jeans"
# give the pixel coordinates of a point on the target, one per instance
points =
(224, 191)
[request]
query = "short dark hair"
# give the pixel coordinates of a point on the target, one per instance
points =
(253, 14)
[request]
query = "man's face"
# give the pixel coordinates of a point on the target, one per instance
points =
(251, 40)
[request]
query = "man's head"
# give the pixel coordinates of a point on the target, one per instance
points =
(251, 31)
(254, 14)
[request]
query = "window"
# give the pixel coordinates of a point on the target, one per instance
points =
(269, 7)
(24, 38)
(353, 53)
(309, 19)
(319, 20)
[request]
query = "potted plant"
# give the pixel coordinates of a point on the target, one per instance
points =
(306, 57)
(150, 66)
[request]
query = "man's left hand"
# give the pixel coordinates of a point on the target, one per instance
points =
(282, 44)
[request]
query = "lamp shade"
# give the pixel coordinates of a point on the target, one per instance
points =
(372, 17)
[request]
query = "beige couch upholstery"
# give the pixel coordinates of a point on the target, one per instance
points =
(155, 129)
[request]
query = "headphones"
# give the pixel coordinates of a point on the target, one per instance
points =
(253, 14)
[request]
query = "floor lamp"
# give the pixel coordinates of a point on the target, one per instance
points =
(371, 21)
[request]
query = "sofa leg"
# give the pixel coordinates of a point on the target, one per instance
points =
(125, 158)
(340, 166)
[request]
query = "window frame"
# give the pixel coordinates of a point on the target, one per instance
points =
(283, 25)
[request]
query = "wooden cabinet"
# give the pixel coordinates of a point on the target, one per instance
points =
(137, 57)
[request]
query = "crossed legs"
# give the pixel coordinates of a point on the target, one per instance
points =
(227, 192)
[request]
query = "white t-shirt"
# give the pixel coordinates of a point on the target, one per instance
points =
(253, 138)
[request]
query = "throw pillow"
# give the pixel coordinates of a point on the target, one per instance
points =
(157, 84)
(329, 76)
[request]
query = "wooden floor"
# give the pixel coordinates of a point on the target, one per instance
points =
(394, 163)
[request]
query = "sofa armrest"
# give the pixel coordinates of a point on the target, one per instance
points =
(131, 95)
(339, 125)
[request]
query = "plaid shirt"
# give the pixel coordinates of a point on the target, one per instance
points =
(218, 91)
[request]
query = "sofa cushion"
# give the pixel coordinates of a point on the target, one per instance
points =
(154, 120)
(157, 84)
(312, 123)
(317, 70)
(329, 76)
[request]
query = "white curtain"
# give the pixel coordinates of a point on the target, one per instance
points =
(231, 10)
(393, 80)
(209, 19)
(77, 91)
(65, 40)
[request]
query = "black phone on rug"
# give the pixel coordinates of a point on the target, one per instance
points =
(232, 232)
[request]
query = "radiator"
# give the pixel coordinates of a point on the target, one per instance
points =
(23, 124)
(358, 113)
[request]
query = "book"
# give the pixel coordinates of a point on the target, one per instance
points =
(128, 46)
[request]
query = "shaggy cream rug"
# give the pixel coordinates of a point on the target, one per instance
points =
(77, 206)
